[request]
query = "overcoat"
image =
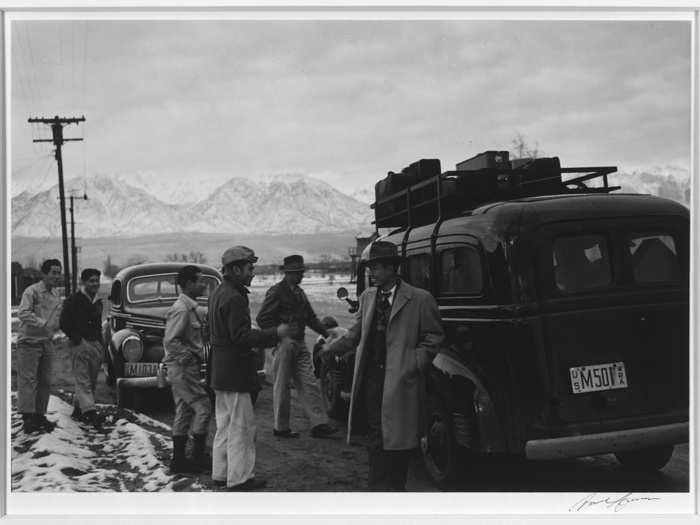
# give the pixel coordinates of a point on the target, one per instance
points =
(414, 328)
(234, 362)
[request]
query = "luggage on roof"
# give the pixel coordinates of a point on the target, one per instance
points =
(420, 194)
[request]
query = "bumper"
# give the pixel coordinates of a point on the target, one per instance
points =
(142, 382)
(607, 442)
(158, 381)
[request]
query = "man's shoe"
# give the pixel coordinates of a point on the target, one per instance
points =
(29, 425)
(219, 482)
(323, 430)
(91, 417)
(248, 485)
(44, 424)
(203, 462)
(289, 433)
(77, 414)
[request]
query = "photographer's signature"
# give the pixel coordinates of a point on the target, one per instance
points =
(608, 502)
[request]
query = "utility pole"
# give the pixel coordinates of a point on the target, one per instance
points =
(57, 124)
(73, 249)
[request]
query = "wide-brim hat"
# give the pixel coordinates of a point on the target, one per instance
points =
(293, 263)
(383, 251)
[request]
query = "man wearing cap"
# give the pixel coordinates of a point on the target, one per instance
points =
(39, 313)
(234, 375)
(286, 302)
(397, 335)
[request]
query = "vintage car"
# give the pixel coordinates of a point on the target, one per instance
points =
(566, 312)
(133, 331)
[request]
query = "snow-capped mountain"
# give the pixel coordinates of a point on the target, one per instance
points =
(277, 204)
(363, 194)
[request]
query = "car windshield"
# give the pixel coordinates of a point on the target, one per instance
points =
(162, 288)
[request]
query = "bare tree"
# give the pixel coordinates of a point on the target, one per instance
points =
(520, 149)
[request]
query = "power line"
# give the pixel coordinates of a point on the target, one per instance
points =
(57, 124)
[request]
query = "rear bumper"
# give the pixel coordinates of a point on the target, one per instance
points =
(606, 442)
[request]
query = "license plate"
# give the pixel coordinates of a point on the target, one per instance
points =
(593, 378)
(141, 369)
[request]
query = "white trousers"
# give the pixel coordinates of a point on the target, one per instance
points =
(233, 451)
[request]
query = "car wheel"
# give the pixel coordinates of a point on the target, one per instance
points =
(438, 445)
(331, 386)
(645, 459)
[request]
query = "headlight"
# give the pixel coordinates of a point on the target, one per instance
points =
(132, 348)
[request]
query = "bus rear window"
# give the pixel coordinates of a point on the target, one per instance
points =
(654, 258)
(581, 263)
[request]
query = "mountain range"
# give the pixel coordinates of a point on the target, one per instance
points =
(122, 205)
(292, 204)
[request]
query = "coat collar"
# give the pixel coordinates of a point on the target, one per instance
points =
(403, 294)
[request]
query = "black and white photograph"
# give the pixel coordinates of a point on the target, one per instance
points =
(339, 255)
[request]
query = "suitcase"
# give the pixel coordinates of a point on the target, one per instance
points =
(486, 160)
(538, 176)
(422, 170)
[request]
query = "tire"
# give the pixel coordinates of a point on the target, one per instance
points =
(645, 459)
(331, 386)
(440, 450)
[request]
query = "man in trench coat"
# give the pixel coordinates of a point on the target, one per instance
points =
(397, 335)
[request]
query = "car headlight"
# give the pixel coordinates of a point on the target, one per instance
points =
(132, 348)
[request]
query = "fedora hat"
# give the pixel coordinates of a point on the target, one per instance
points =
(383, 251)
(293, 263)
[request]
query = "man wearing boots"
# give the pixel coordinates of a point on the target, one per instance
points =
(184, 353)
(39, 312)
(398, 333)
(234, 377)
(286, 302)
(81, 320)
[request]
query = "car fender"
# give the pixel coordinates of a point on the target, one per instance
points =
(490, 430)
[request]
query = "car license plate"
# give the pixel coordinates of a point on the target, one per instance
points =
(141, 369)
(593, 378)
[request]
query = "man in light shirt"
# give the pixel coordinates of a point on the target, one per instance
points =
(39, 312)
(184, 354)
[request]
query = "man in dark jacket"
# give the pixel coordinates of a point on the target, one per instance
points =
(81, 321)
(234, 374)
(286, 302)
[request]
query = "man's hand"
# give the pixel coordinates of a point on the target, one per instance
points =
(284, 330)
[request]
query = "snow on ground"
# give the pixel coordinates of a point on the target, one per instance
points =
(131, 454)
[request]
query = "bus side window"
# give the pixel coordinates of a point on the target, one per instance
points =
(418, 271)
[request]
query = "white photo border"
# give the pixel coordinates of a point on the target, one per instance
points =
(292, 508)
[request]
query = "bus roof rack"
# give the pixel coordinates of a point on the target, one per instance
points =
(432, 196)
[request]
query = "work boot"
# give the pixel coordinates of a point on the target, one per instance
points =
(44, 424)
(29, 425)
(200, 457)
(93, 418)
(77, 414)
(179, 463)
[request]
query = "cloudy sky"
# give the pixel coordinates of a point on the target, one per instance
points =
(346, 101)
